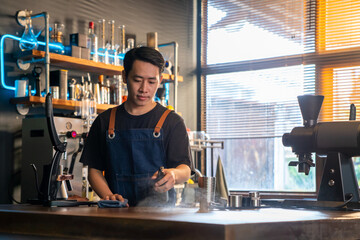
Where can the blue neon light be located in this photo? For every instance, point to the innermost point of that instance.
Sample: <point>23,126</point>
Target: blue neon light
<point>54,46</point>
<point>167,91</point>
<point>119,55</point>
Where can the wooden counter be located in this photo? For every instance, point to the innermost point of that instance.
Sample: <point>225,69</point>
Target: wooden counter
<point>176,223</point>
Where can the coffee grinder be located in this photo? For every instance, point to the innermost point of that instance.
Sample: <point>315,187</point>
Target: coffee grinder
<point>338,142</point>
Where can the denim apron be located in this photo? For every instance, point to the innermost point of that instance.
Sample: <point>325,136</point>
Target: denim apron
<point>134,156</point>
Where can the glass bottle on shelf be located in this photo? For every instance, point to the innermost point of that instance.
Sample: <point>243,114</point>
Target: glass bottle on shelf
<point>79,93</point>
<point>124,93</point>
<point>111,44</point>
<point>97,91</point>
<point>103,55</point>
<point>107,86</point>
<point>118,90</point>
<point>92,102</point>
<point>121,45</point>
<point>102,90</point>
<point>122,39</point>
<point>130,44</point>
<point>92,43</point>
<point>85,103</point>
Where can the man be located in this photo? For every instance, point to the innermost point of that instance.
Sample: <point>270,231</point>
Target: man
<point>131,142</point>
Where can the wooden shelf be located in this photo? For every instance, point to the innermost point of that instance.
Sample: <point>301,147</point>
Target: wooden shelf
<point>68,62</point>
<point>57,103</point>
<point>170,78</point>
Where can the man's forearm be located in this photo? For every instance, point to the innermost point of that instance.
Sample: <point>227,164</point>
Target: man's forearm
<point>182,173</point>
<point>98,183</point>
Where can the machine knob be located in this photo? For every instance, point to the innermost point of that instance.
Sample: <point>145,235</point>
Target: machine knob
<point>71,134</point>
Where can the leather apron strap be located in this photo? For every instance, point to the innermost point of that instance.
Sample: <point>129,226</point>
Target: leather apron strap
<point>160,123</point>
<point>156,130</point>
<point>112,123</point>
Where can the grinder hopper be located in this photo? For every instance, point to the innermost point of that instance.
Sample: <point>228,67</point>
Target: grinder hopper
<point>310,106</point>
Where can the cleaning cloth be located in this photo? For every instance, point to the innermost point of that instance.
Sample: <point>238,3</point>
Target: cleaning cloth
<point>112,203</point>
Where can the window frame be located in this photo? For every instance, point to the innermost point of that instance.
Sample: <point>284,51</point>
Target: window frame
<point>319,57</point>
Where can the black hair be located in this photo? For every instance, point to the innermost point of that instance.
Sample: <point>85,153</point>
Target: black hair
<point>145,54</point>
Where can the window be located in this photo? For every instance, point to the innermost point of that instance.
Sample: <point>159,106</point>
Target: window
<point>257,57</point>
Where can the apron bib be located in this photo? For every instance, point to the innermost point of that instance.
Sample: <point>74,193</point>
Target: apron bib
<point>134,156</point>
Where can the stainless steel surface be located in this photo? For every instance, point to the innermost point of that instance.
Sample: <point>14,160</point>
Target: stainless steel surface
<point>207,192</point>
<point>208,184</point>
<point>255,199</point>
<point>235,201</point>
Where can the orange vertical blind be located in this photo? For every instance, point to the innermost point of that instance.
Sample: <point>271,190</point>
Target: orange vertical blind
<point>338,62</point>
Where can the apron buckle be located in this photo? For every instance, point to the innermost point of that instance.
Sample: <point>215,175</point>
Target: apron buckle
<point>156,134</point>
<point>111,136</point>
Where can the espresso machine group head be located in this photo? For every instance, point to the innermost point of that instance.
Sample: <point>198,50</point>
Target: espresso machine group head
<point>337,141</point>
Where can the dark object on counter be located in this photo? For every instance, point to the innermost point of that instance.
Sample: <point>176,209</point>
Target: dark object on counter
<point>162,197</point>
<point>78,39</point>
<point>160,174</point>
<point>112,203</point>
<point>60,78</point>
<point>339,141</point>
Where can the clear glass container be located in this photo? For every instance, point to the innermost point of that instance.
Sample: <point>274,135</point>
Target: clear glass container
<point>92,43</point>
<point>103,54</point>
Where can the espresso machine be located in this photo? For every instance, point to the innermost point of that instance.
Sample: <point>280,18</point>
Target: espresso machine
<point>38,151</point>
<point>338,142</point>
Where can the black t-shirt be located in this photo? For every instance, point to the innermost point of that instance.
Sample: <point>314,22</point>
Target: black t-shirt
<point>176,141</point>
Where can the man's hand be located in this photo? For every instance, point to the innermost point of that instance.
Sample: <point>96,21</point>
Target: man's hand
<point>173,176</point>
<point>114,197</point>
<point>167,182</point>
<point>99,184</point>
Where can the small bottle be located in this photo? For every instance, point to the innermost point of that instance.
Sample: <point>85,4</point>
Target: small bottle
<point>85,103</point>
<point>97,90</point>
<point>79,95</point>
<point>92,43</point>
<point>118,90</point>
<point>85,183</point>
<point>84,188</point>
<point>130,44</point>
<point>124,93</point>
<point>103,93</point>
<point>92,101</point>
<point>108,85</point>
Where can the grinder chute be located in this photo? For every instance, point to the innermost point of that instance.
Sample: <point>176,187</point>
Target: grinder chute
<point>338,141</point>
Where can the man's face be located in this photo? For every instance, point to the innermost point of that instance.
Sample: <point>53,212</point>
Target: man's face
<point>143,81</point>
